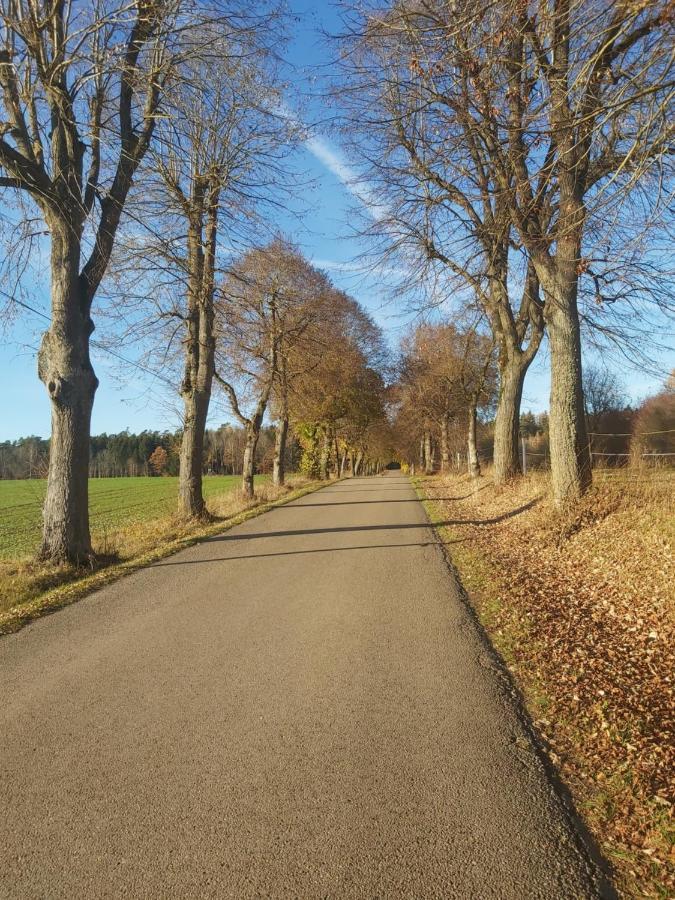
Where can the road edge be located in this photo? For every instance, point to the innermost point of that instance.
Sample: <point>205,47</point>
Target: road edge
<point>586,843</point>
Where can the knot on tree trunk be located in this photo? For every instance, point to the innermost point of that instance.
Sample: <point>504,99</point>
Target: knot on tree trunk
<point>56,387</point>
<point>47,370</point>
<point>67,380</point>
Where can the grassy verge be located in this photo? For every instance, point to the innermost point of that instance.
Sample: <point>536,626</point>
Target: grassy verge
<point>580,606</point>
<point>114,505</point>
<point>29,590</point>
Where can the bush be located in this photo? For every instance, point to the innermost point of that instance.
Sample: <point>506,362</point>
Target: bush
<point>654,429</point>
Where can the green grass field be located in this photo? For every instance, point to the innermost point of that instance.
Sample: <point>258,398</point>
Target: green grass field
<point>113,502</point>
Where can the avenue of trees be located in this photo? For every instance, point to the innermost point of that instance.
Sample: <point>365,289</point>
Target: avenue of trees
<point>145,139</point>
<point>617,429</point>
<point>521,154</point>
<point>296,347</point>
<point>447,377</point>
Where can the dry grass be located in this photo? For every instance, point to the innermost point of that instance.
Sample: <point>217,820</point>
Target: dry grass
<point>28,589</point>
<point>114,503</point>
<point>581,606</point>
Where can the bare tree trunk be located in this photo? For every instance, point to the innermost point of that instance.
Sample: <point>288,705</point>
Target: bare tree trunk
<point>507,420</point>
<point>190,496</point>
<point>65,369</point>
<point>279,464</point>
<point>445,449</point>
<point>472,449</point>
<point>428,453</point>
<point>518,340</point>
<point>248,468</point>
<point>251,426</point>
<point>325,453</point>
<point>343,464</point>
<point>570,455</point>
<point>357,464</point>
<point>200,349</point>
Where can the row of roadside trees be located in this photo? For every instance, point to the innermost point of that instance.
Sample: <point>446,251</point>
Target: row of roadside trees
<point>440,425</point>
<point>147,140</point>
<point>521,154</point>
<point>447,378</point>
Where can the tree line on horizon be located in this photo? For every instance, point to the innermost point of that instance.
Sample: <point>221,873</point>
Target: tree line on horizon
<point>128,454</point>
<point>619,430</point>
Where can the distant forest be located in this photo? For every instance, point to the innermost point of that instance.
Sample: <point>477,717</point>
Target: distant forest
<point>126,454</point>
<point>618,433</point>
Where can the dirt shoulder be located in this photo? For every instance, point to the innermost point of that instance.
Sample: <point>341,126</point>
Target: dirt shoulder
<point>581,607</point>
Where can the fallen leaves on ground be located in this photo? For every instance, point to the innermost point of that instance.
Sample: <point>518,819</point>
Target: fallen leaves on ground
<point>580,604</point>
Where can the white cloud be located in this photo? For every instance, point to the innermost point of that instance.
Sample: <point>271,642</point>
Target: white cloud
<point>332,265</point>
<point>333,160</point>
<point>335,163</point>
<point>363,268</point>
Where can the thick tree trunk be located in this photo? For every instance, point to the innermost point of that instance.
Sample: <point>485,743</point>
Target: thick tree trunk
<point>570,454</point>
<point>445,449</point>
<point>343,464</point>
<point>325,453</point>
<point>65,369</point>
<point>279,464</point>
<point>190,495</point>
<point>472,448</point>
<point>357,464</point>
<point>71,387</point>
<point>199,357</point>
<point>428,453</point>
<point>248,468</point>
<point>507,420</point>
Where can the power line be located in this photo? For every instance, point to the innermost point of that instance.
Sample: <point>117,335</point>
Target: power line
<point>628,434</point>
<point>25,305</point>
<point>97,344</point>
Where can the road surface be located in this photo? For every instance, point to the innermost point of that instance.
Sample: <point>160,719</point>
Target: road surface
<point>300,707</point>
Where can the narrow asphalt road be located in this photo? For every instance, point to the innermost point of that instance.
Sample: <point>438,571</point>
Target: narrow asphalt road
<point>301,707</point>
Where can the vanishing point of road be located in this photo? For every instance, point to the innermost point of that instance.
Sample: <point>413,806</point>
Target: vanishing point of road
<point>301,707</point>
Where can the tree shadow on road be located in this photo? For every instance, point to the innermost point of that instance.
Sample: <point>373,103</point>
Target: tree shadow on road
<point>219,559</point>
<point>378,490</point>
<point>299,506</point>
<point>345,529</point>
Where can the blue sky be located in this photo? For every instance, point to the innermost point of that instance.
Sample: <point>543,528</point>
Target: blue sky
<point>320,222</point>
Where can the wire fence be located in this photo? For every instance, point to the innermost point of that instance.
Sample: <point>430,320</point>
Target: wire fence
<point>635,462</point>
